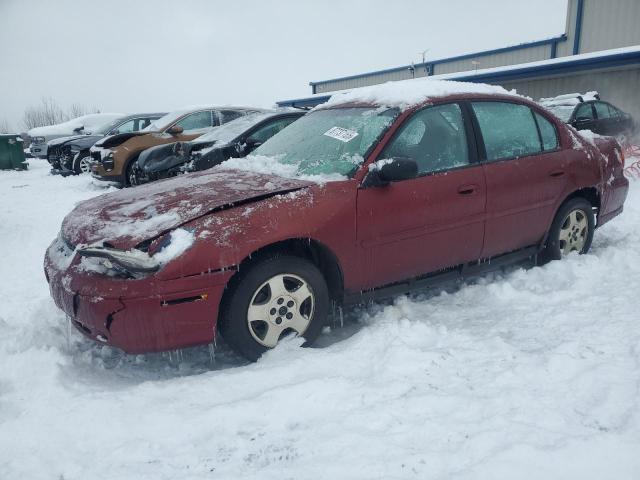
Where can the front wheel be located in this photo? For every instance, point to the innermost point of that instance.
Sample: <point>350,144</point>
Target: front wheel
<point>82,164</point>
<point>272,298</point>
<point>571,231</point>
<point>131,176</point>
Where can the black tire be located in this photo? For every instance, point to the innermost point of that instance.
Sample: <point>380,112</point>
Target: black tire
<point>76,163</point>
<point>250,282</point>
<point>555,245</point>
<point>130,178</point>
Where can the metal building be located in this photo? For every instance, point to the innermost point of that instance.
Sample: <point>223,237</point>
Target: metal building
<point>590,55</point>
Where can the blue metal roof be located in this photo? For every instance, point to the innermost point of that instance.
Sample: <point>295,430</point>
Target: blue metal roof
<point>558,66</point>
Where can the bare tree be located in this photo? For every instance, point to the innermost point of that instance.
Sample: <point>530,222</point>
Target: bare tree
<point>47,113</point>
<point>77,110</point>
<point>4,126</point>
<point>50,113</point>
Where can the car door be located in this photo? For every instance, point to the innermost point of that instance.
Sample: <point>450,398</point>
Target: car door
<point>524,169</point>
<point>584,118</point>
<point>412,227</point>
<point>607,124</point>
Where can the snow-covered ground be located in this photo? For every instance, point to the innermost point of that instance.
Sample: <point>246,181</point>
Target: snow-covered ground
<point>524,374</point>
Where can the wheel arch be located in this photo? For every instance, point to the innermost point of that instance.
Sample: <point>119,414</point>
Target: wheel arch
<point>308,248</point>
<point>591,194</point>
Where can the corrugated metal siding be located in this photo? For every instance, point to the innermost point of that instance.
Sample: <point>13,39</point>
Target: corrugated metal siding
<point>332,86</point>
<point>609,24</point>
<point>513,57</point>
<point>620,87</point>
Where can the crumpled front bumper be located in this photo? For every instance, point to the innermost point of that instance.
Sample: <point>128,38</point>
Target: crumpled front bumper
<point>137,316</point>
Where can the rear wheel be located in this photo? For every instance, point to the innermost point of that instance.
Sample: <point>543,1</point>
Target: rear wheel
<point>82,164</point>
<point>571,231</point>
<point>272,298</point>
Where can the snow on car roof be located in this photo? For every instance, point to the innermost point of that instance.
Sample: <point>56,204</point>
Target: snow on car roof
<point>569,99</point>
<point>406,93</point>
<point>88,121</point>
<point>172,116</point>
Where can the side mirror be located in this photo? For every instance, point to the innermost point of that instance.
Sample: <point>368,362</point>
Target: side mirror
<point>390,170</point>
<point>175,130</point>
<point>78,129</point>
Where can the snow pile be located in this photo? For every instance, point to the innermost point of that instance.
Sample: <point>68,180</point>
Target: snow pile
<point>406,93</point>
<point>180,240</point>
<point>527,374</point>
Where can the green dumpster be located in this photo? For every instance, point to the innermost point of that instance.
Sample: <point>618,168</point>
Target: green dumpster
<point>11,153</point>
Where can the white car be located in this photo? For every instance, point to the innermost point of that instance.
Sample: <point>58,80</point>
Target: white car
<point>39,136</point>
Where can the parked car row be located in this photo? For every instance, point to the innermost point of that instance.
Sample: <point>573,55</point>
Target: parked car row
<point>380,191</point>
<point>71,154</point>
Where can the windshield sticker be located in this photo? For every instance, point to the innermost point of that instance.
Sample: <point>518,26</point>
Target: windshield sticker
<point>341,134</point>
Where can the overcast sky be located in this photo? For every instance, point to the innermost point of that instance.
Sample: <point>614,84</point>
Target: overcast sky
<point>143,55</point>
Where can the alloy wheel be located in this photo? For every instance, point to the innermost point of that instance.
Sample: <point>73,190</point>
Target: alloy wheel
<point>85,165</point>
<point>284,303</point>
<point>573,232</point>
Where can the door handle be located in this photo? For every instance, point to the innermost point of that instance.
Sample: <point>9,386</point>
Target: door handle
<point>556,173</point>
<point>467,189</point>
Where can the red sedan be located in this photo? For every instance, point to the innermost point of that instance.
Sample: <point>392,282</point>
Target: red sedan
<point>381,191</point>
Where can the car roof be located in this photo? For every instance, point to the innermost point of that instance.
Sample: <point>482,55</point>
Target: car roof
<point>405,94</point>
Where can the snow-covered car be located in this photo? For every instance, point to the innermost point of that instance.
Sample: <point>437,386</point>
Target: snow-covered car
<point>85,124</point>
<point>380,191</point>
<point>237,138</point>
<point>588,112</point>
<point>71,155</point>
<point>113,158</point>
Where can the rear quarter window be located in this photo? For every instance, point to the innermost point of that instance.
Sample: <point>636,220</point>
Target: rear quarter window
<point>548,133</point>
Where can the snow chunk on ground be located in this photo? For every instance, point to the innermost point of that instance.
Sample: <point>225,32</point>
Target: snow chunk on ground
<point>406,93</point>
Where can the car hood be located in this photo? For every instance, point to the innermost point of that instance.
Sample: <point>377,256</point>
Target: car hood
<point>125,218</point>
<point>119,138</point>
<point>91,139</point>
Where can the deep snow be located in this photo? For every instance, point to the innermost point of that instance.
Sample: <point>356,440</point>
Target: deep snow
<point>523,374</point>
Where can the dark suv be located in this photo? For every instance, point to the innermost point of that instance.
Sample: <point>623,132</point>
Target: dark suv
<point>588,112</point>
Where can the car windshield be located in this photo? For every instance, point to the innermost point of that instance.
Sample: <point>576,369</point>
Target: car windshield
<point>329,141</point>
<point>107,127</point>
<point>563,112</point>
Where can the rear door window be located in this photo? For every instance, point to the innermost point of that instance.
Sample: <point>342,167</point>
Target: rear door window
<point>434,137</point>
<point>509,130</point>
<point>602,110</point>
<point>228,115</point>
<point>196,120</point>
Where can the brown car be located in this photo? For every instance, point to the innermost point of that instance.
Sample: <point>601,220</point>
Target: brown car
<point>113,157</point>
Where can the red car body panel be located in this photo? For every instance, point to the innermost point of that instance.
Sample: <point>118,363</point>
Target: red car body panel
<point>376,235</point>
